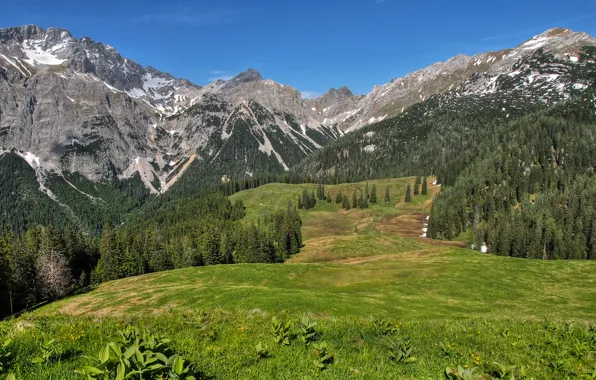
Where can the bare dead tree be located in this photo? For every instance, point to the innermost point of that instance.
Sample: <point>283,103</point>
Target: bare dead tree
<point>53,275</point>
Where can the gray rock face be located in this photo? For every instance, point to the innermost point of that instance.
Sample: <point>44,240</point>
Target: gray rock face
<point>69,104</point>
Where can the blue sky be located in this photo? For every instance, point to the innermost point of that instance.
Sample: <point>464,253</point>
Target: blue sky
<point>312,45</point>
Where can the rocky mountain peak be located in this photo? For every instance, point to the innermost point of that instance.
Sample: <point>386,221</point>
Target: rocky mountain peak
<point>334,96</point>
<point>250,75</point>
<point>557,40</point>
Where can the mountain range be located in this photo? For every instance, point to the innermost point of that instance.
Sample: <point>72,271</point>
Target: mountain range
<point>71,105</point>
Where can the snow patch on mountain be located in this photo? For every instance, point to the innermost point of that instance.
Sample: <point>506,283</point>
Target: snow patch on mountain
<point>32,159</point>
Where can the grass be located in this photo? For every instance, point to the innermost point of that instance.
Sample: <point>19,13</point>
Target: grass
<point>326,220</point>
<point>459,307</point>
<point>421,282</point>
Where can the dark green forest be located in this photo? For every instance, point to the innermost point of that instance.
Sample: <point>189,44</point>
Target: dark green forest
<point>531,192</point>
<point>46,263</point>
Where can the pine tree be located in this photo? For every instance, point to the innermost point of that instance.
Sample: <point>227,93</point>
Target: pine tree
<point>408,194</point>
<point>6,306</point>
<point>424,187</point>
<point>328,198</point>
<point>417,180</point>
<point>361,201</point>
<point>209,247</point>
<point>226,248</point>
<point>346,203</point>
<point>387,195</point>
<point>109,262</point>
<point>373,194</point>
<point>416,189</point>
<point>339,198</point>
<point>354,200</point>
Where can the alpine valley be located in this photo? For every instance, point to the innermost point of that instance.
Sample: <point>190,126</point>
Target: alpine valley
<point>441,226</point>
<point>88,122</point>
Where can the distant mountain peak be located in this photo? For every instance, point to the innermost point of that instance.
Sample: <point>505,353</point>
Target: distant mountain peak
<point>250,75</point>
<point>338,94</point>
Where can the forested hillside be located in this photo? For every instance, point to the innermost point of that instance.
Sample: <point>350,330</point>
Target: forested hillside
<point>62,200</point>
<point>441,135</point>
<point>531,192</point>
<point>207,229</point>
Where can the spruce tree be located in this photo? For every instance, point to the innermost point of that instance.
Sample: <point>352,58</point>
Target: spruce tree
<point>416,189</point>
<point>424,187</point>
<point>109,262</point>
<point>354,200</point>
<point>339,198</point>
<point>300,204</point>
<point>328,198</point>
<point>209,247</point>
<point>387,195</point>
<point>373,194</point>
<point>305,199</point>
<point>361,201</point>
<point>408,194</point>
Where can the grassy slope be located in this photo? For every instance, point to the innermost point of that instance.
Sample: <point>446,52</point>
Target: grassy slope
<point>490,307</point>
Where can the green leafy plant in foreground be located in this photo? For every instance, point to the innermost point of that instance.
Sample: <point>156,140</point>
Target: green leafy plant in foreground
<point>460,373</point>
<point>262,352</point>
<point>385,327</point>
<point>502,371</point>
<point>5,357</point>
<point>280,331</point>
<point>400,350</point>
<point>323,357</point>
<point>5,354</point>
<point>141,355</point>
<point>48,351</point>
<point>306,330</point>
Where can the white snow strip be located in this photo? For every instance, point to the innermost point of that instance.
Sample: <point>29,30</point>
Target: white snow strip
<point>12,63</point>
<point>114,89</point>
<point>534,43</point>
<point>23,66</point>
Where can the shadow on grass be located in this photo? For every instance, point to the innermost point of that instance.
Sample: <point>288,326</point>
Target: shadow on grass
<point>75,292</point>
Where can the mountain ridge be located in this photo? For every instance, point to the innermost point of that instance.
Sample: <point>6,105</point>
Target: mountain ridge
<point>104,115</point>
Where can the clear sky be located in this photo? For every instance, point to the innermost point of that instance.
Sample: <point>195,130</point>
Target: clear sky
<point>312,45</point>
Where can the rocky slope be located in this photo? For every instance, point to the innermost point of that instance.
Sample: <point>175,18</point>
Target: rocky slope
<point>70,104</point>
